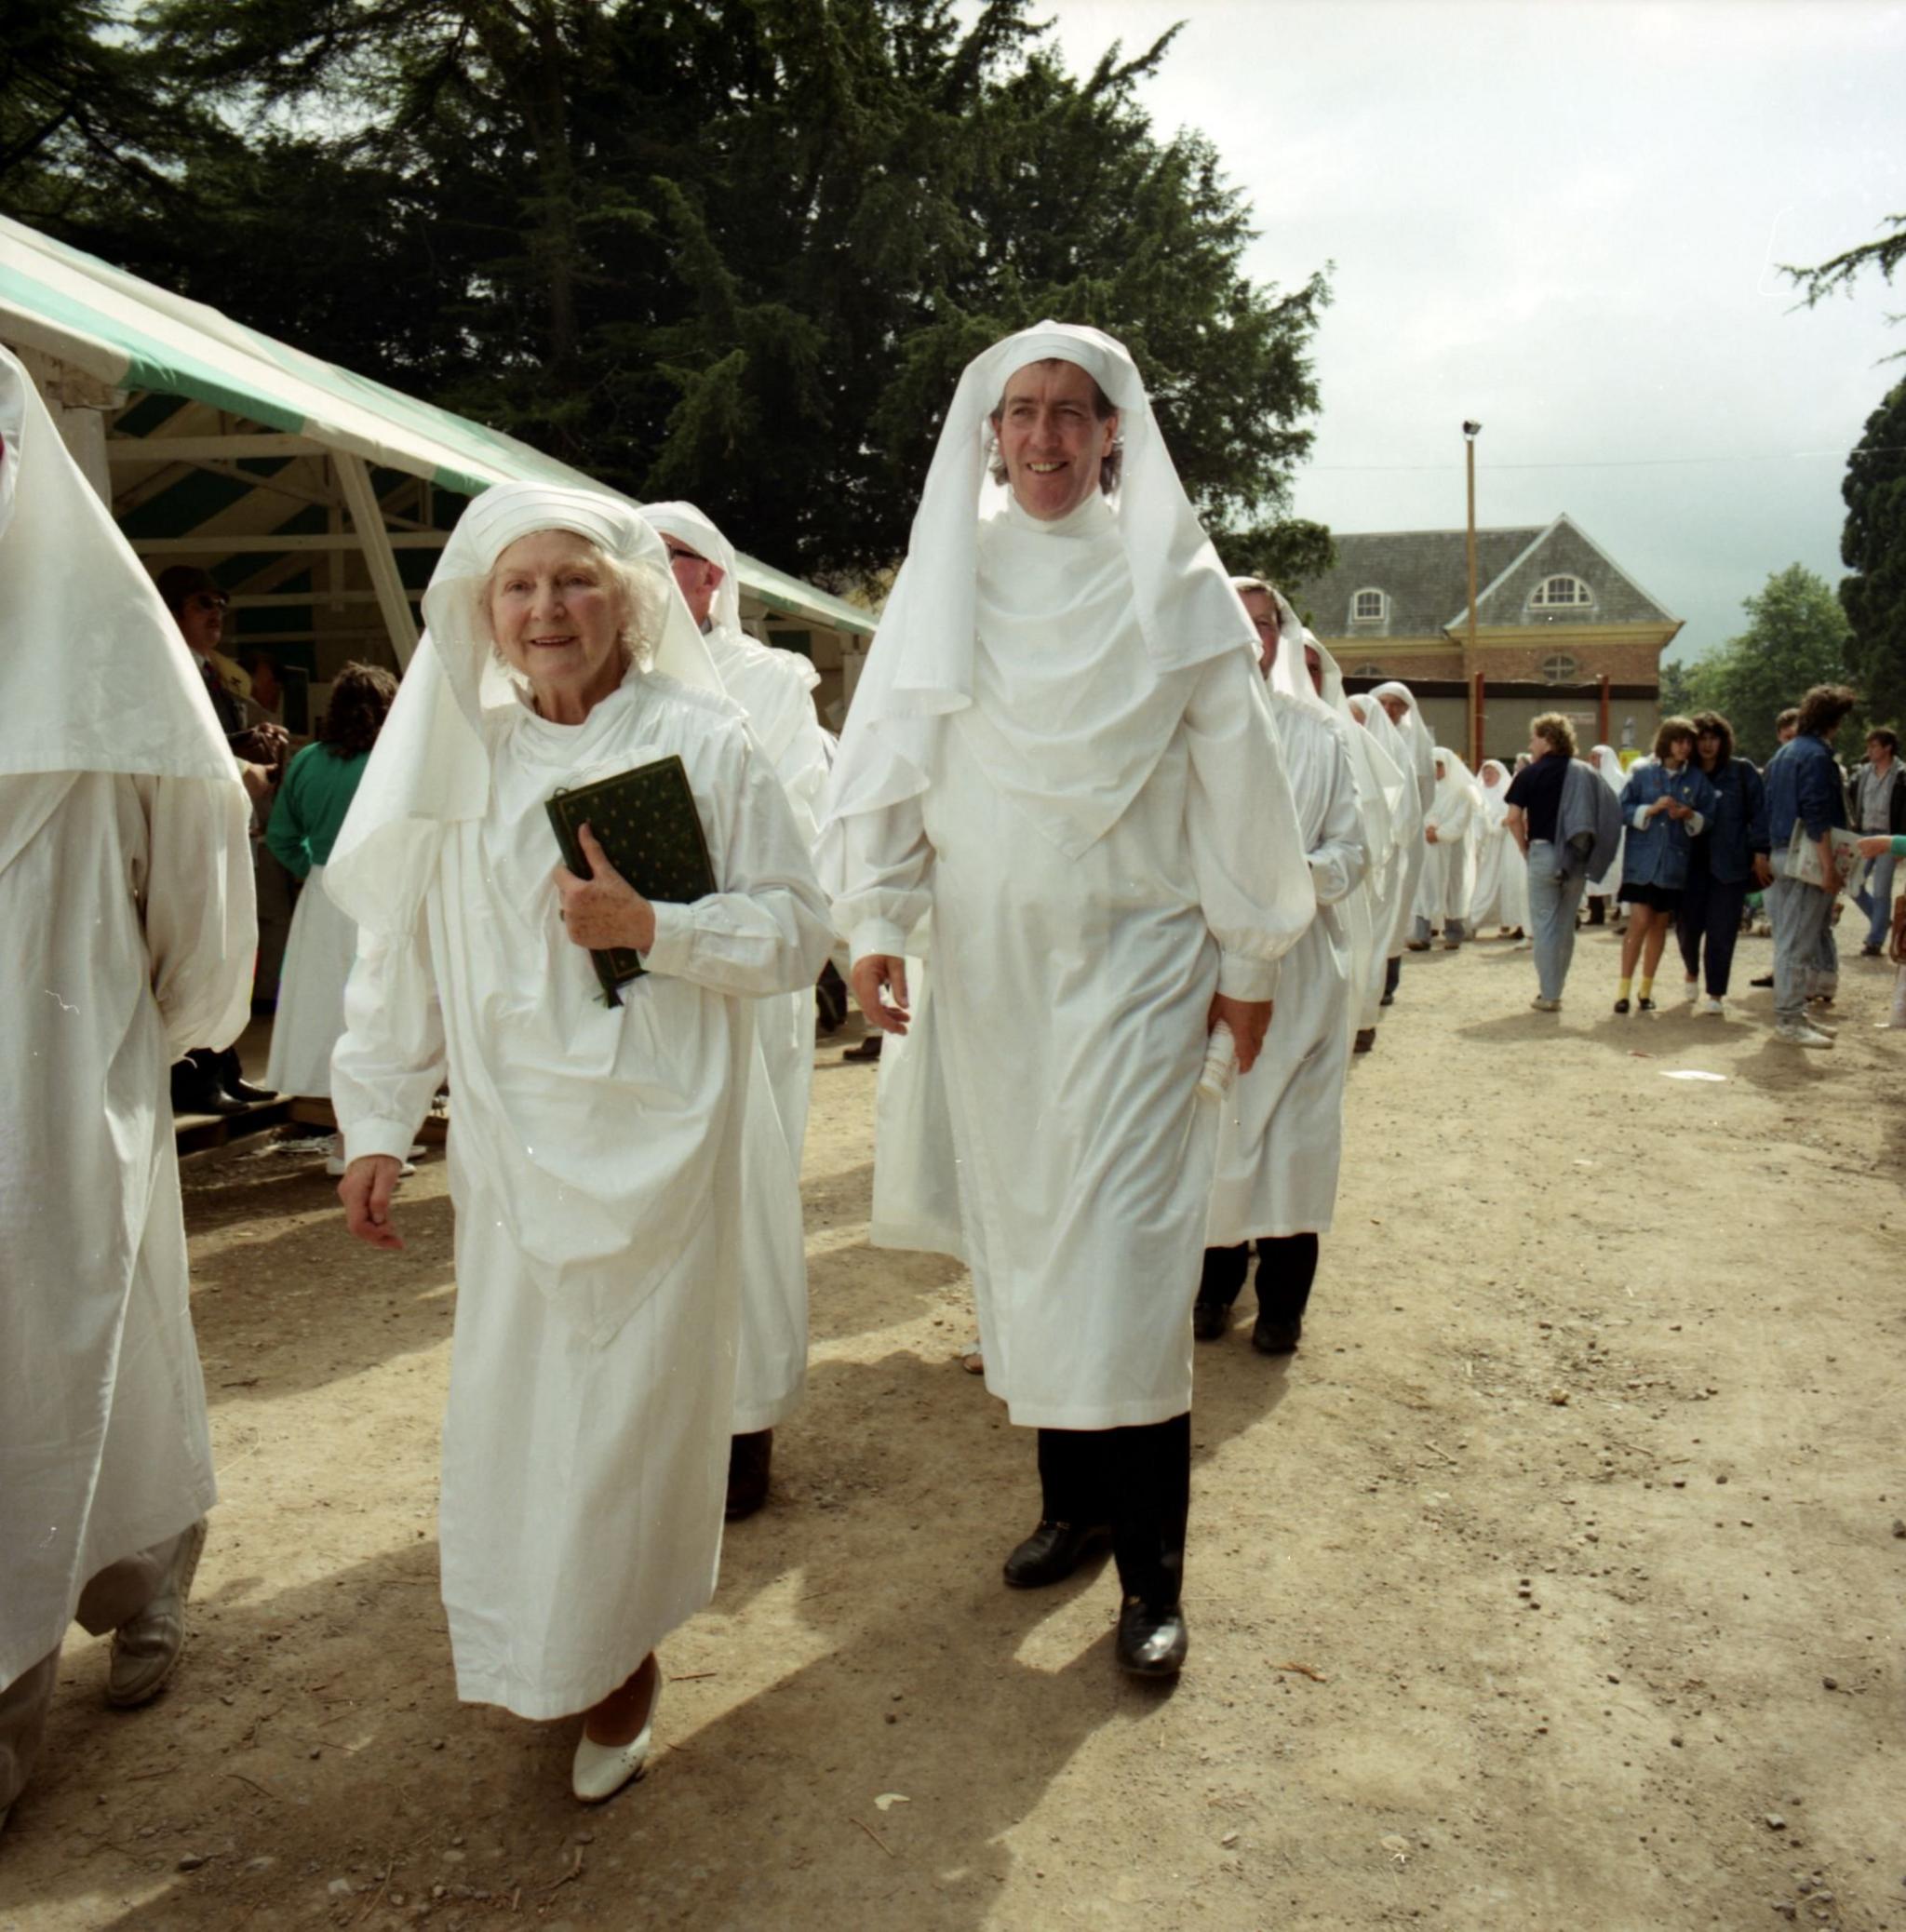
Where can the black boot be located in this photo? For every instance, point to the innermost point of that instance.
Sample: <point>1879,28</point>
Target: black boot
<point>748,1460</point>
<point>1152,1638</point>
<point>1392,978</point>
<point>196,1089</point>
<point>1222,1277</point>
<point>1286,1270</point>
<point>1053,1551</point>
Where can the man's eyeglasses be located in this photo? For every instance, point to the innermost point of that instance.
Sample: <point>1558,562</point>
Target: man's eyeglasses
<point>206,600</point>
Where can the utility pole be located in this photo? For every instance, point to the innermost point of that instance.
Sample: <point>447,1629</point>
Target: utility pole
<point>1471,432</point>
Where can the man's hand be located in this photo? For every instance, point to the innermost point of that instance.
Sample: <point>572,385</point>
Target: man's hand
<point>1430,833</point>
<point>1249,1021</point>
<point>869,977</point>
<point>1763,870</point>
<point>366,1192</point>
<point>257,780</point>
<point>1876,847</point>
<point>604,910</point>
<point>263,744</point>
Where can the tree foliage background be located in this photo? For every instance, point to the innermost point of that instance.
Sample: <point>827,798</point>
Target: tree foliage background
<point>1872,547</point>
<point>1797,636</point>
<point>730,249</point>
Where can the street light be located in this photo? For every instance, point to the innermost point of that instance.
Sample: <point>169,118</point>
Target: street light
<point>1471,432</point>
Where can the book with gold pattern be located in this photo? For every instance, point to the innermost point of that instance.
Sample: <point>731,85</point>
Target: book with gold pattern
<point>646,822</point>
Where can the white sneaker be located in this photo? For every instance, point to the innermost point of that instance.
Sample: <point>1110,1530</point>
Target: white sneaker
<point>1690,990</point>
<point>1801,1035</point>
<point>1714,1006</point>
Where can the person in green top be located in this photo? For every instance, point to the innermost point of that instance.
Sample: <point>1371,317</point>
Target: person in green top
<point>315,794</point>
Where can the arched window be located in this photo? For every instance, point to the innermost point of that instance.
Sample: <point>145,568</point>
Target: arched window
<point>1561,594</point>
<point>1369,607</point>
<point>1560,668</point>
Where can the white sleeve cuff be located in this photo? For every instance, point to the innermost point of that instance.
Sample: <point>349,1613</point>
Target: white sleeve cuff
<point>673,945</point>
<point>1241,977</point>
<point>876,935</point>
<point>390,1138</point>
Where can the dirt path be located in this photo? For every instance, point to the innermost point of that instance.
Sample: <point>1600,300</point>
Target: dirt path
<point>1554,1584</point>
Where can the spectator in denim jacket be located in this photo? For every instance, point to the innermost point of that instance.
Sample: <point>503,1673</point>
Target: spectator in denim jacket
<point>1803,789</point>
<point>1724,863</point>
<point>1666,804</point>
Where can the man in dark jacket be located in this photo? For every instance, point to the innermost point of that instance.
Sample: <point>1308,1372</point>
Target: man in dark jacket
<point>1803,789</point>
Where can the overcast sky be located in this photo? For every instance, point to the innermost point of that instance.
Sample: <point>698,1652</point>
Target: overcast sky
<point>1565,218</point>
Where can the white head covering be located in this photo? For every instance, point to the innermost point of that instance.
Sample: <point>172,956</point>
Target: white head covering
<point>431,765</point>
<point>924,663</point>
<point>94,674</point>
<point>1607,762</point>
<point>1457,782</point>
<point>1494,791</point>
<point>1375,721</point>
<point>688,525</point>
<point>1414,733</point>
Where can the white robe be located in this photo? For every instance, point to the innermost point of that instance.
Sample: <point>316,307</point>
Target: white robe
<point>310,994</point>
<point>1501,894</point>
<point>594,1164</point>
<point>126,933</point>
<point>916,1204</point>
<point>1281,1126</point>
<point>1443,893</point>
<point>773,687</point>
<point>1074,990</point>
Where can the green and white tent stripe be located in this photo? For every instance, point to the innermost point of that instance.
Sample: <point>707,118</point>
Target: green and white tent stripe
<point>132,334</point>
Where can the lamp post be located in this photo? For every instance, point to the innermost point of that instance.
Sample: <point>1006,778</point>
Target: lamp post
<point>1471,432</point>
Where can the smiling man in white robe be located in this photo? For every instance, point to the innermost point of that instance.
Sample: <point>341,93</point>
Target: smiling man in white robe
<point>775,689</point>
<point>126,933</point>
<point>1061,750</point>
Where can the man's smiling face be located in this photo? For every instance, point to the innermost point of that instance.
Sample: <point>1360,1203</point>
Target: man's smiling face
<point>1052,437</point>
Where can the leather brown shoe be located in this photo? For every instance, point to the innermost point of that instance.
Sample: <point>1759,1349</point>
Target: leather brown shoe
<point>1365,1039</point>
<point>1052,1552</point>
<point>1152,1643</point>
<point>748,1457</point>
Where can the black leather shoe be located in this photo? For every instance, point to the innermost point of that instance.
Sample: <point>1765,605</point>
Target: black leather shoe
<point>1766,980</point>
<point>246,1094</point>
<point>1276,1334</point>
<point>1620,1005</point>
<point>1365,1039</point>
<point>1052,1552</point>
<point>748,1457</point>
<point>203,1097</point>
<point>1151,1642</point>
<point>1210,1320</point>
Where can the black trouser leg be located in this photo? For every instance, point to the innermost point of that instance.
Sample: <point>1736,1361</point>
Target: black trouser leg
<point>1072,1477</point>
<point>1691,921</point>
<point>1725,903</point>
<point>1225,1269</point>
<point>1150,1471</point>
<point>1286,1270</point>
<point>1393,974</point>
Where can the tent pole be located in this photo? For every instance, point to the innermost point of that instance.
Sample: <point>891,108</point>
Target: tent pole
<point>368,519</point>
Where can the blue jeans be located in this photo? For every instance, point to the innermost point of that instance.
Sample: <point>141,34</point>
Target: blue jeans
<point>1801,934</point>
<point>1876,899</point>
<point>1553,905</point>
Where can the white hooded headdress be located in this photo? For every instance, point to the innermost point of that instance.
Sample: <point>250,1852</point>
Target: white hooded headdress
<point>928,662</point>
<point>94,674</point>
<point>431,765</point>
<point>1414,733</point>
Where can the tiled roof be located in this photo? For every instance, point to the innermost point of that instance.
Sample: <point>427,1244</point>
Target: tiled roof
<point>1423,575</point>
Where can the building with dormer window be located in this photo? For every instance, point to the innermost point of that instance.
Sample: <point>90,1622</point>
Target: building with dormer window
<point>1560,627</point>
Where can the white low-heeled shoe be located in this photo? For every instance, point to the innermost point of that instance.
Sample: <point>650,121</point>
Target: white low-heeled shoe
<point>601,1770</point>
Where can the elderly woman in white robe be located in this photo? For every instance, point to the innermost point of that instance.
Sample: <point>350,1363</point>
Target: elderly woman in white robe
<point>1280,1127</point>
<point>1449,869</point>
<point>1406,718</point>
<point>775,689</point>
<point>1501,893</point>
<point>126,934</point>
<point>595,1151</point>
<point>1061,748</point>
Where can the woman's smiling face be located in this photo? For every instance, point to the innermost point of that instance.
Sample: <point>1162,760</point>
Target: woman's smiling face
<point>557,612</point>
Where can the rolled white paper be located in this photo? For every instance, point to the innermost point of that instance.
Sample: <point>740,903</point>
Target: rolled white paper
<point>1220,1062</point>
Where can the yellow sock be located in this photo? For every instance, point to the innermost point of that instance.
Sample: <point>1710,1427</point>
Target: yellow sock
<point>1626,985</point>
<point>1647,986</point>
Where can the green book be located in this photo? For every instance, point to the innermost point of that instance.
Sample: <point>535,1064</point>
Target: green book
<point>647,824</point>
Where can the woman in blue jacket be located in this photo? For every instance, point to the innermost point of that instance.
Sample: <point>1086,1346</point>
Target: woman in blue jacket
<point>1726,862</point>
<point>1666,804</point>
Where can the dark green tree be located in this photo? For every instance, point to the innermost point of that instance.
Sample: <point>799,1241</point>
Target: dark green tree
<point>1872,547</point>
<point>735,249</point>
<point>1838,273</point>
<point>1797,636</point>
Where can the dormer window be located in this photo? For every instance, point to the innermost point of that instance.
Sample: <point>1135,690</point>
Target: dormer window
<point>1369,607</point>
<point>1561,594</point>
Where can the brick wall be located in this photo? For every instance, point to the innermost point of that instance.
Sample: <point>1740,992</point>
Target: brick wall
<point>1625,663</point>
